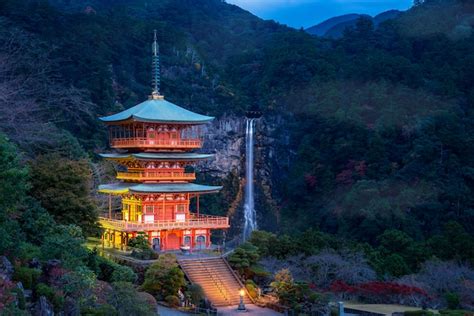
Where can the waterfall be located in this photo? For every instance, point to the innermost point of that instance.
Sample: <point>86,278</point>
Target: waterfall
<point>250,215</point>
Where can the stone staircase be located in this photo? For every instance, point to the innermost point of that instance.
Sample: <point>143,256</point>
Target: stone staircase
<point>220,284</point>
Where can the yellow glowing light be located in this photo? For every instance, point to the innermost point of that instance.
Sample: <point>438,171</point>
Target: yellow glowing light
<point>242,292</point>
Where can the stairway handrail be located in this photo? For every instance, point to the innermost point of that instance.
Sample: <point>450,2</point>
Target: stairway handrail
<point>214,280</point>
<point>238,279</point>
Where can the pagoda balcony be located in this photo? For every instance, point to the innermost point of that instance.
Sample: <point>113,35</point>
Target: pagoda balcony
<point>156,176</point>
<point>195,221</point>
<point>150,143</point>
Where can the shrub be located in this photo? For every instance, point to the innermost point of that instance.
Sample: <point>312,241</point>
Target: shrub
<point>27,252</point>
<point>26,276</point>
<point>127,301</point>
<point>106,269</point>
<point>452,300</point>
<point>252,290</point>
<point>172,300</point>
<point>123,273</point>
<point>418,313</point>
<point>196,293</point>
<point>101,310</point>
<point>164,277</point>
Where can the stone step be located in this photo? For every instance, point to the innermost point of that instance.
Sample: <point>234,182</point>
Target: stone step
<point>218,282</point>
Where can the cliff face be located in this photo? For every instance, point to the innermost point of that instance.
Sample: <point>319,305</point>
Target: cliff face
<point>225,138</point>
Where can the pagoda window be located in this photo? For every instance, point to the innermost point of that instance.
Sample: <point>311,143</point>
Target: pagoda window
<point>181,217</point>
<point>187,240</point>
<point>149,209</point>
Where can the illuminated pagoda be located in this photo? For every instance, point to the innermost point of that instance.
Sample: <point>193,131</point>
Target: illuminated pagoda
<point>154,142</point>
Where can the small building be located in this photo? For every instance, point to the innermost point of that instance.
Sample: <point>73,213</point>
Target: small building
<point>154,144</point>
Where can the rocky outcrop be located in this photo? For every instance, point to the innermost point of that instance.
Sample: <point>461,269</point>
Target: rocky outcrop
<point>43,307</point>
<point>225,138</point>
<point>6,268</point>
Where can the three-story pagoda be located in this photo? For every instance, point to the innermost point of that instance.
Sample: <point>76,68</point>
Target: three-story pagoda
<point>155,141</point>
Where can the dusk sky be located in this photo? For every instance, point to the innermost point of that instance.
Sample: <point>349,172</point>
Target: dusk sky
<point>305,13</point>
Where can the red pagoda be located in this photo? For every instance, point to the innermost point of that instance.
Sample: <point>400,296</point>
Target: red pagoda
<point>154,142</point>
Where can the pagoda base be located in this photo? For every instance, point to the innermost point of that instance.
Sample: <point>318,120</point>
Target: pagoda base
<point>163,240</point>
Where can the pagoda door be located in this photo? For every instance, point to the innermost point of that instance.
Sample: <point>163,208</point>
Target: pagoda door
<point>172,242</point>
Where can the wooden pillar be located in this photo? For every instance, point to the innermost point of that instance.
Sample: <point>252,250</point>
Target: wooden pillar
<point>165,240</point>
<point>113,239</point>
<point>110,206</point>
<point>197,204</point>
<point>208,238</point>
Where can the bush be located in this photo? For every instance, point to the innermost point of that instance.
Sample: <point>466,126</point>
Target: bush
<point>196,293</point>
<point>26,276</point>
<point>164,277</point>
<point>418,313</point>
<point>106,270</point>
<point>452,300</point>
<point>252,290</point>
<point>101,310</point>
<point>172,300</point>
<point>144,254</point>
<point>123,273</point>
<point>27,252</point>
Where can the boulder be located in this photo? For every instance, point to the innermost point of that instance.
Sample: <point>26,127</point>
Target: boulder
<point>43,308</point>
<point>6,268</point>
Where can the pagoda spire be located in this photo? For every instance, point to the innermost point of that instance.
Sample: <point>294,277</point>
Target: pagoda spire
<point>155,94</point>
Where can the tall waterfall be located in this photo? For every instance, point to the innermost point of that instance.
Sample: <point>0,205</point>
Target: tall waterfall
<point>250,214</point>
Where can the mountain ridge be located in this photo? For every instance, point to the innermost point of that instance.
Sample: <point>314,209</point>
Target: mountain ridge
<point>335,26</point>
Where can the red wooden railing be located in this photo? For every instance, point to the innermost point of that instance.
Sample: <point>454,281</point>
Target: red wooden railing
<point>140,142</point>
<point>156,176</point>
<point>201,221</point>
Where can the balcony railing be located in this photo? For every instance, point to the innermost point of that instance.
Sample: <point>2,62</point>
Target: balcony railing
<point>139,142</point>
<point>156,176</point>
<point>201,221</point>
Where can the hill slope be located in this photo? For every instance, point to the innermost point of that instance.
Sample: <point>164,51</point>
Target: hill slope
<point>334,27</point>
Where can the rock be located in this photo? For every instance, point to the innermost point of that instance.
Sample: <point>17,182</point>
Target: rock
<point>35,264</point>
<point>6,268</point>
<point>43,308</point>
<point>71,307</point>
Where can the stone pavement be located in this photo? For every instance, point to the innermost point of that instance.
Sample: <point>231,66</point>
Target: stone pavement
<point>251,311</point>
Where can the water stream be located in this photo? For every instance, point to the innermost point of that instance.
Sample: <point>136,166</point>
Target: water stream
<point>250,215</point>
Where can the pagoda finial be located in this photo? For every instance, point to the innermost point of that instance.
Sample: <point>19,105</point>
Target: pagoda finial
<point>155,94</point>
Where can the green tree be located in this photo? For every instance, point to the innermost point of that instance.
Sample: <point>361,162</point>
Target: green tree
<point>164,277</point>
<point>244,257</point>
<point>127,301</point>
<point>63,187</point>
<point>65,244</point>
<point>13,190</point>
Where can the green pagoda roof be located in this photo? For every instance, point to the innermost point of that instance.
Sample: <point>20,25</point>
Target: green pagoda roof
<point>160,111</point>
<point>123,187</point>
<point>158,156</point>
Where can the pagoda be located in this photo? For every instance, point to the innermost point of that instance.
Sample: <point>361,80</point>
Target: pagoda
<point>154,144</point>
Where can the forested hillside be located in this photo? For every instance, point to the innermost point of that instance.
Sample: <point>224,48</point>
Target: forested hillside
<point>374,155</point>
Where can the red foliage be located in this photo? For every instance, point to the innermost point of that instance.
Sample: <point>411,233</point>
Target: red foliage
<point>6,296</point>
<point>361,168</point>
<point>376,288</point>
<point>310,180</point>
<point>344,177</point>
